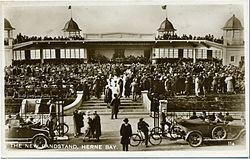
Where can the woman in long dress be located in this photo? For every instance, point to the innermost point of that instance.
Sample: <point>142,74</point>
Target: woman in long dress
<point>229,82</point>
<point>86,129</point>
<point>196,86</point>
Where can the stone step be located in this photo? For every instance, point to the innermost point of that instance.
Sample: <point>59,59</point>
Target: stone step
<point>105,107</point>
<point>104,104</point>
<point>121,113</point>
<point>109,110</point>
<point>102,100</point>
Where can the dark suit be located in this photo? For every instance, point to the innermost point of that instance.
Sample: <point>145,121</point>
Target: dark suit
<point>143,126</point>
<point>115,103</point>
<point>126,133</point>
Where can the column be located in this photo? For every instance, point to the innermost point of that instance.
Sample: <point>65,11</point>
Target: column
<point>195,51</point>
<point>41,56</point>
<point>224,56</point>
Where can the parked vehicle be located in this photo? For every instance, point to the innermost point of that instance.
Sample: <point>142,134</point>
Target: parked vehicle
<point>198,131</point>
<point>27,133</point>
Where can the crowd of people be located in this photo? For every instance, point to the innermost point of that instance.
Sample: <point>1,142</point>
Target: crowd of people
<point>208,37</point>
<point>168,79</point>
<point>86,126</point>
<point>167,36</point>
<point>24,38</point>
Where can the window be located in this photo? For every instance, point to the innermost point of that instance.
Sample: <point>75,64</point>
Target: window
<point>190,53</point>
<point>82,53</point>
<point>33,54</point>
<point>156,53</point>
<point>38,55</point>
<point>161,54</point>
<point>185,53</point>
<point>17,55</point>
<point>199,54</point>
<point>46,53</point>
<point>171,53</point>
<point>204,54</point>
<point>72,53</point>
<point>67,53</point>
<point>175,53</point>
<point>62,53</point>
<point>53,54</point>
<point>232,59</point>
<point>22,55</point>
<point>77,53</point>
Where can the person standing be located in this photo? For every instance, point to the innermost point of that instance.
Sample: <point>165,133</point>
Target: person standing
<point>107,96</point>
<point>51,125</point>
<point>96,126</point>
<point>76,119</point>
<point>143,126</point>
<point>188,84</point>
<point>115,104</point>
<point>196,86</point>
<point>126,133</point>
<point>229,82</point>
<point>97,87</point>
<point>120,83</point>
<point>134,87</point>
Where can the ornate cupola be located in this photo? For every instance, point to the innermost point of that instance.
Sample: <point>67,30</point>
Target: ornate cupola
<point>233,32</point>
<point>71,28</point>
<point>166,27</point>
<point>8,33</point>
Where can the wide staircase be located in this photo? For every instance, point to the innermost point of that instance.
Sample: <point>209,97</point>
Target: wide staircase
<point>127,107</point>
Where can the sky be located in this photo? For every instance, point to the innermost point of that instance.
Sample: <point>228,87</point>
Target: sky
<point>197,20</point>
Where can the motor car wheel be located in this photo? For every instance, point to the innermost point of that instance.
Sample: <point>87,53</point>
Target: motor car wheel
<point>219,132</point>
<point>40,142</point>
<point>135,140</point>
<point>195,139</point>
<point>155,139</point>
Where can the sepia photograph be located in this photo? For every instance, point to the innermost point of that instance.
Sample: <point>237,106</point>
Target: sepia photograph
<point>107,78</point>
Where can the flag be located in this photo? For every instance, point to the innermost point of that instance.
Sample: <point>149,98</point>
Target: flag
<point>164,7</point>
<point>69,7</point>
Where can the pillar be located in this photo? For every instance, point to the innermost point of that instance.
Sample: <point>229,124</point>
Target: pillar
<point>41,56</point>
<point>195,51</point>
<point>224,56</point>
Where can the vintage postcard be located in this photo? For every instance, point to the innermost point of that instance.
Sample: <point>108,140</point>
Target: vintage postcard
<point>127,78</point>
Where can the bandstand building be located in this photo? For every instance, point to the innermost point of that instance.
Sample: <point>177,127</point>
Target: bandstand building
<point>148,45</point>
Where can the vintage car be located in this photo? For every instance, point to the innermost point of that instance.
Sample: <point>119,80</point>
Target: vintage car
<point>196,131</point>
<point>18,132</point>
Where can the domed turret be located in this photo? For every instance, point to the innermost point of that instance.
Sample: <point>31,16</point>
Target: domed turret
<point>72,28</point>
<point>7,25</point>
<point>233,32</point>
<point>166,27</point>
<point>8,33</point>
<point>233,24</point>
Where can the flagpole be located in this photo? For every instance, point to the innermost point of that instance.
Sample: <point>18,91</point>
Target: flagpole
<point>71,12</point>
<point>166,12</point>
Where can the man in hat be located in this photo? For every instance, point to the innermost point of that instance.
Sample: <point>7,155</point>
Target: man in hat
<point>143,126</point>
<point>115,104</point>
<point>188,84</point>
<point>126,133</point>
<point>96,126</point>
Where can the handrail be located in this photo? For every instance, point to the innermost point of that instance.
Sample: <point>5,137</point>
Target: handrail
<point>77,102</point>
